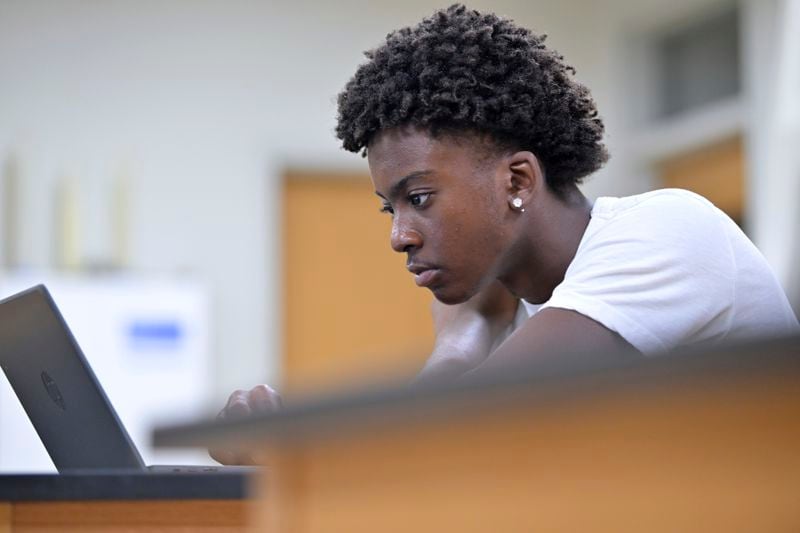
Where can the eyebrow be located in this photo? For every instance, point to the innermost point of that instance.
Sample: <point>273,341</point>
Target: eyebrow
<point>398,188</point>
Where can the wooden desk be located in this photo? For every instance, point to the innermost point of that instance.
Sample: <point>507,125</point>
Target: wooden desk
<point>690,442</point>
<point>124,502</point>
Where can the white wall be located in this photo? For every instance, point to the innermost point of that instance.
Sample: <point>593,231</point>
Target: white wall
<point>204,104</point>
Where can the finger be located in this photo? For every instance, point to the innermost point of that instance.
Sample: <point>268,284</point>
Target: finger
<point>245,458</point>
<point>235,397</point>
<point>232,457</point>
<point>238,405</point>
<point>265,399</point>
<point>225,457</point>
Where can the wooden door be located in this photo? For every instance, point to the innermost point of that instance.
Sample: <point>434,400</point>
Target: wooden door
<point>716,171</point>
<point>351,309</point>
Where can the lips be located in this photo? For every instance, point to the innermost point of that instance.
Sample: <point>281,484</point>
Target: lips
<point>424,275</point>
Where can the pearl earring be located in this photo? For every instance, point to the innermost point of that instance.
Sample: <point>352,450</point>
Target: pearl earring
<point>516,203</point>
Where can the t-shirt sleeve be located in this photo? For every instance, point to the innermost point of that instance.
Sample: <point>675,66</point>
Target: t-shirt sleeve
<point>659,274</point>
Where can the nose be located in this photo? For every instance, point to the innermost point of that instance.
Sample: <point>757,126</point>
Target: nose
<point>403,237</point>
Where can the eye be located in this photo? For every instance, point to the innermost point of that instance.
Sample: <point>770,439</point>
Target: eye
<point>419,199</point>
<point>386,208</point>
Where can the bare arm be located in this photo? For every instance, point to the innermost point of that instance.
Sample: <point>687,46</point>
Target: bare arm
<point>465,333</point>
<point>553,335</point>
<point>468,331</point>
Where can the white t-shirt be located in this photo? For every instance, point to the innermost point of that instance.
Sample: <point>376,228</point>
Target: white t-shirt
<point>667,268</point>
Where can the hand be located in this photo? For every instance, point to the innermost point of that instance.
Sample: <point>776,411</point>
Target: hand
<point>259,399</point>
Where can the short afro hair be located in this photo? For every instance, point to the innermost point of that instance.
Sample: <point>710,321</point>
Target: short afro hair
<point>465,71</point>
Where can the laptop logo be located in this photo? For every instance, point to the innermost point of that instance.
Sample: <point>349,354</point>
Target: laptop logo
<point>52,391</point>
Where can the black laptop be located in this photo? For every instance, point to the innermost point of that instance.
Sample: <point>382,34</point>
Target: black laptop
<point>60,393</point>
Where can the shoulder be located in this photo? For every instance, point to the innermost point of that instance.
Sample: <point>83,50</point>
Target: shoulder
<point>663,206</point>
<point>643,262</point>
<point>668,223</point>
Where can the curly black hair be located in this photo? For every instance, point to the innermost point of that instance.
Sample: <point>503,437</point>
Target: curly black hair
<point>465,71</point>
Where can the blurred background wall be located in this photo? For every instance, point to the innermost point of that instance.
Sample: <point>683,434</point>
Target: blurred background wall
<point>194,140</point>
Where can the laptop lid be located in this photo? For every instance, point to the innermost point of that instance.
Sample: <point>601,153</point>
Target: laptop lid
<point>57,388</point>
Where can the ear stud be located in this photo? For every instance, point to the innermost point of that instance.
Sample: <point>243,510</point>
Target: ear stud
<point>516,203</point>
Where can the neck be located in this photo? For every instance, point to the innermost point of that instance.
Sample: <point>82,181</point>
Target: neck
<point>548,241</point>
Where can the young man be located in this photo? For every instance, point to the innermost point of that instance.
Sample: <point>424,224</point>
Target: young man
<point>477,138</point>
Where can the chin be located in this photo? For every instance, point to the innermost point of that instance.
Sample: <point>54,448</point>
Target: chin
<point>450,297</point>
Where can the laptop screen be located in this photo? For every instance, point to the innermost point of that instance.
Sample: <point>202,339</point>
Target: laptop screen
<point>57,388</point>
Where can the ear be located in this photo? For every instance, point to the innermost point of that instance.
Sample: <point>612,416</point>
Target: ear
<point>525,178</point>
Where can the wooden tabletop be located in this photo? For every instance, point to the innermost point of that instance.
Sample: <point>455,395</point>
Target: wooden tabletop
<point>573,378</point>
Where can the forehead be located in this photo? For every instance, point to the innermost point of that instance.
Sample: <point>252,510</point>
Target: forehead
<point>396,153</point>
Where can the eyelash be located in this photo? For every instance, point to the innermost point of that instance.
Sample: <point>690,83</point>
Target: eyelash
<point>411,199</point>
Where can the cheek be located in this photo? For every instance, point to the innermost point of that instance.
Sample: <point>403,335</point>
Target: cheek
<point>473,236</point>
